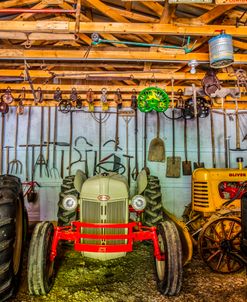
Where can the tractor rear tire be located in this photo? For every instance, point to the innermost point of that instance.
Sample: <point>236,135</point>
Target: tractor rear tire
<point>153,213</point>
<point>169,272</point>
<point>40,270</point>
<point>12,234</point>
<point>67,188</point>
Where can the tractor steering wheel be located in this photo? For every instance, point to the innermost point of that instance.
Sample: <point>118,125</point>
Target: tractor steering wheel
<point>101,166</point>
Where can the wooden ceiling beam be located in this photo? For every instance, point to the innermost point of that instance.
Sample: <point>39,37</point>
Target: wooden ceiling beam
<point>121,28</point>
<point>119,55</point>
<point>17,3</point>
<point>148,75</point>
<point>154,6</point>
<point>26,16</point>
<point>95,88</point>
<point>214,13</point>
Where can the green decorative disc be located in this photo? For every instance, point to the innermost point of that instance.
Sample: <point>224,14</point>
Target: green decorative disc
<point>153,98</point>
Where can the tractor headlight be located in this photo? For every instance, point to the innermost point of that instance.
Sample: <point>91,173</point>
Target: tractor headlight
<point>70,203</point>
<point>138,202</point>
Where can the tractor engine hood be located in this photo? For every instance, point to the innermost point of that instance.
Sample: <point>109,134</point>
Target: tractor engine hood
<point>107,186</point>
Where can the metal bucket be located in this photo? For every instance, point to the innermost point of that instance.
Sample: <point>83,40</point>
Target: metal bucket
<point>220,51</point>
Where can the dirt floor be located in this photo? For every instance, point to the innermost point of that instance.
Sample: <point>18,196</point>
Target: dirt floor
<point>131,279</point>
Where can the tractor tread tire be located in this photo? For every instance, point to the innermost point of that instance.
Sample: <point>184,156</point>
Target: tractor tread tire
<point>153,214</point>
<point>65,217</point>
<point>11,229</point>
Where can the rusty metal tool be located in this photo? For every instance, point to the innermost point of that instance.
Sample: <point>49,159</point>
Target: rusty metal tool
<point>186,165</point>
<point>83,138</point>
<point>1,144</point>
<point>116,130</point>
<point>41,160</point>
<point>70,140</point>
<point>7,158</point>
<point>27,140</point>
<point>238,147</point>
<point>15,164</point>
<point>212,138</point>
<point>135,171</point>
<point>62,164</point>
<point>226,147</point>
<point>54,171</point>
<point>198,164</point>
<point>128,157</point>
<point>48,136</point>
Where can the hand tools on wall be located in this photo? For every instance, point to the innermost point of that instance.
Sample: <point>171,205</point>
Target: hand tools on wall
<point>156,150</point>
<point>62,164</point>
<point>41,160</point>
<point>238,148</point>
<point>198,164</point>
<point>15,164</point>
<point>95,163</point>
<point>128,157</point>
<point>54,171</point>
<point>135,171</point>
<point>145,142</point>
<point>7,158</point>
<point>212,138</point>
<point>116,130</point>
<point>226,146</point>
<point>48,135</point>
<point>27,140</point>
<point>2,143</point>
<point>173,162</point>
<point>186,165</point>
<point>70,140</point>
<point>83,138</point>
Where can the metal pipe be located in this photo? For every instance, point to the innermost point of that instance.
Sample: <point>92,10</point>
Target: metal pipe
<point>36,11</point>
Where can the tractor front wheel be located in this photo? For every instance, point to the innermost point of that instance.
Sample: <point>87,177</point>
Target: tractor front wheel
<point>40,269</point>
<point>169,271</point>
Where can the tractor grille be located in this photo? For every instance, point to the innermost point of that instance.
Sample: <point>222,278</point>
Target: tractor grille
<point>104,212</point>
<point>200,194</point>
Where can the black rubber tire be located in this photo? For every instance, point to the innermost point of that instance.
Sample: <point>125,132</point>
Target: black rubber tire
<point>40,270</point>
<point>153,213</point>
<point>12,234</point>
<point>67,188</point>
<point>169,273</point>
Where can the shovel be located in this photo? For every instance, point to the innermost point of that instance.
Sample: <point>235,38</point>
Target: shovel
<point>198,164</point>
<point>186,165</point>
<point>156,150</point>
<point>173,162</point>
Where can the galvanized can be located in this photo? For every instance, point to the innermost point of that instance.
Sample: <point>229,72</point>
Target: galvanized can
<point>221,51</point>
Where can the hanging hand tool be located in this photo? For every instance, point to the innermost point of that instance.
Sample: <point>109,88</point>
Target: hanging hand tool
<point>1,144</point>
<point>7,158</point>
<point>30,83</point>
<point>128,157</point>
<point>95,163</point>
<point>156,150</point>
<point>84,138</point>
<point>54,171</point>
<point>103,98</point>
<point>212,138</point>
<point>48,136</point>
<point>15,163</point>
<point>145,142</point>
<point>76,161</point>
<point>116,131</point>
<point>187,170</point>
<point>41,160</point>
<point>27,140</point>
<point>238,148</point>
<point>90,100</point>
<point>135,171</point>
<point>112,141</point>
<point>62,164</point>
<point>198,164</point>
<point>173,162</point>
<point>226,146</point>
<point>86,162</point>
<point>70,140</point>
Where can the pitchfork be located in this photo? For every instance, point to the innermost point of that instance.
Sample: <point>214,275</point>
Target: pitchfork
<point>15,163</point>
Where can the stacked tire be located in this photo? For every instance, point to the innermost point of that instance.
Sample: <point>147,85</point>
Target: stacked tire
<point>67,188</point>
<point>154,210</point>
<point>12,234</point>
